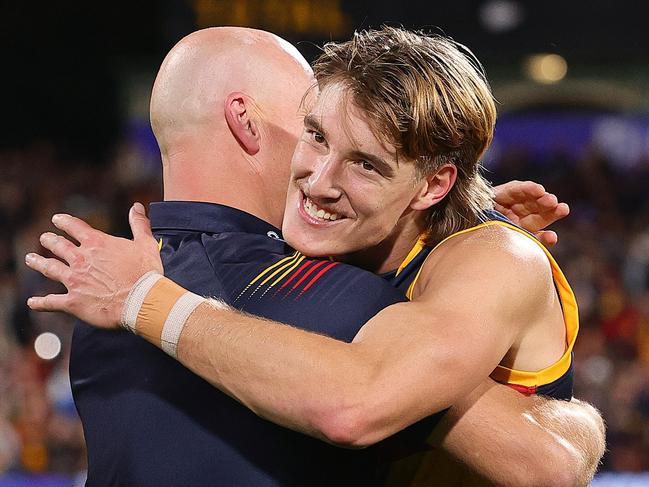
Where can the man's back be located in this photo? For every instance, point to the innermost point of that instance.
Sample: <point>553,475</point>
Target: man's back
<point>150,421</point>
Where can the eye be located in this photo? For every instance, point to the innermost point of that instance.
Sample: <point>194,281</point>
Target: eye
<point>368,166</point>
<point>317,137</point>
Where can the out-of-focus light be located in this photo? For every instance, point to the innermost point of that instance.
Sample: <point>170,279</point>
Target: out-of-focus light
<point>499,16</point>
<point>597,369</point>
<point>47,346</point>
<point>546,68</point>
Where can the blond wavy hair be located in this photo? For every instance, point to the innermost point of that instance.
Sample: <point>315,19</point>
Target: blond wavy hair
<point>429,97</point>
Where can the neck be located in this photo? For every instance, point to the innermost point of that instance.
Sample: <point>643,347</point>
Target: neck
<point>388,255</point>
<point>223,182</point>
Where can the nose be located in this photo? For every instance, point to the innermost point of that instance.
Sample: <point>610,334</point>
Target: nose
<point>324,180</point>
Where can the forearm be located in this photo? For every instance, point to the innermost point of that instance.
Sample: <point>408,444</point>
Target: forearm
<point>353,394</point>
<point>578,426</point>
<point>297,379</point>
<point>513,440</point>
<point>305,381</point>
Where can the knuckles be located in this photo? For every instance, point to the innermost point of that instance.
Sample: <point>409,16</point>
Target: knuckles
<point>79,262</point>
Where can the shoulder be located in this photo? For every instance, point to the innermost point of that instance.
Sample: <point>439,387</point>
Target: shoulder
<point>493,260</point>
<point>494,247</point>
<point>321,296</point>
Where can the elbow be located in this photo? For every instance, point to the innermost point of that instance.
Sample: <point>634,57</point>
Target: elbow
<point>348,428</point>
<point>576,459</point>
<point>561,467</point>
<point>573,469</point>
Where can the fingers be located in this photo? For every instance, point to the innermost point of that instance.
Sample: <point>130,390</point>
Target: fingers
<point>59,246</point>
<point>547,201</point>
<point>73,226</point>
<point>547,207</point>
<point>517,192</point>
<point>553,214</point>
<point>140,224</point>
<point>51,268</point>
<point>51,302</point>
<point>531,189</point>
<point>547,237</point>
<point>563,210</point>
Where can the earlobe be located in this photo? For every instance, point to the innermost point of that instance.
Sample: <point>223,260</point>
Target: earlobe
<point>242,125</point>
<point>435,187</point>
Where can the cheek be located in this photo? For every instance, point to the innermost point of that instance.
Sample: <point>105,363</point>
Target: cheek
<point>368,200</point>
<point>383,211</point>
<point>301,160</point>
<point>290,226</point>
<point>291,201</point>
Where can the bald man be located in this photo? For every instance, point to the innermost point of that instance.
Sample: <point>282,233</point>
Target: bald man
<point>224,111</point>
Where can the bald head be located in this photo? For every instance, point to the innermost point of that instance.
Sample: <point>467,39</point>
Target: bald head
<point>200,72</point>
<point>225,112</point>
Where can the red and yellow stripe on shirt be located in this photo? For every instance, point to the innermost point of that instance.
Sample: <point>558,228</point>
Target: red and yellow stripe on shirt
<point>290,276</point>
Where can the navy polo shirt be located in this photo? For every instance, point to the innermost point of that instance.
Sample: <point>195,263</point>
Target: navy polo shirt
<point>149,421</point>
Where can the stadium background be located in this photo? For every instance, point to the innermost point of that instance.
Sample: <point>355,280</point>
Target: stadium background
<point>571,79</point>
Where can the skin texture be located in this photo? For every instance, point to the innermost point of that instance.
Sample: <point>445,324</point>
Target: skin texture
<point>241,354</point>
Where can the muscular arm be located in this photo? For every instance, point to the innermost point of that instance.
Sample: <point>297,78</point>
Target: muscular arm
<point>499,436</point>
<point>315,381</point>
<point>401,367</point>
<point>505,438</point>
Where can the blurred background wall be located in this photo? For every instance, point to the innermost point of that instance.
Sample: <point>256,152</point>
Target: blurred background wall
<point>571,79</point>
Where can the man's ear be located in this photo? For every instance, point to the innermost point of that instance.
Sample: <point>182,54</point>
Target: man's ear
<point>241,123</point>
<point>435,187</point>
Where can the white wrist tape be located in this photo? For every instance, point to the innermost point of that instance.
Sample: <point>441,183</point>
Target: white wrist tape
<point>176,320</point>
<point>136,297</point>
<point>157,309</point>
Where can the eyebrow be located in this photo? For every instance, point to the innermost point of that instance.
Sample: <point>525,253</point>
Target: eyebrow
<point>386,169</point>
<point>312,122</point>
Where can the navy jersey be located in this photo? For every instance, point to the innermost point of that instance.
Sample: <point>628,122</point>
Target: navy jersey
<point>555,381</point>
<point>149,421</point>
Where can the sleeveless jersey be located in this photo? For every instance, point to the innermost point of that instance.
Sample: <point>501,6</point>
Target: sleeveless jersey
<point>554,381</point>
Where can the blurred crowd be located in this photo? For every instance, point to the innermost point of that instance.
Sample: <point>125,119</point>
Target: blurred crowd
<point>604,251</point>
<point>603,248</point>
<point>39,427</point>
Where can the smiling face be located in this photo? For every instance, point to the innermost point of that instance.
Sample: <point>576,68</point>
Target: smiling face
<point>348,191</point>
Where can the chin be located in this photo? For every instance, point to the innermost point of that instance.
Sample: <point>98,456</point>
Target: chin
<point>310,249</point>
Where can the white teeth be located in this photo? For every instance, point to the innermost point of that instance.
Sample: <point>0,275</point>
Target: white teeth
<point>313,210</point>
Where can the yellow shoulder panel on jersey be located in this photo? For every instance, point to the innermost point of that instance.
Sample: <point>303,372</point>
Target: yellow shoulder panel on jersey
<point>419,246</point>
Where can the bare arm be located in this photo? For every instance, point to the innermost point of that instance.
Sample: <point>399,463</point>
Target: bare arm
<point>401,367</point>
<point>554,443</point>
<point>221,353</point>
